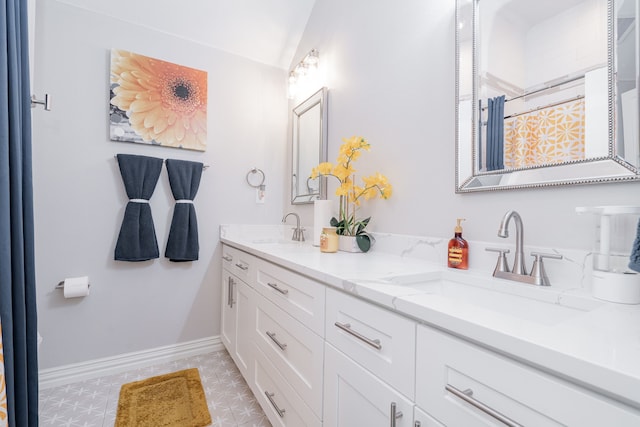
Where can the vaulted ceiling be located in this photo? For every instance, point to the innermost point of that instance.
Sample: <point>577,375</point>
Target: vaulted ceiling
<point>266,31</point>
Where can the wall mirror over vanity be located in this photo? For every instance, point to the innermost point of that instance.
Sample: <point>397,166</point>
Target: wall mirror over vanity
<point>309,148</point>
<point>547,93</point>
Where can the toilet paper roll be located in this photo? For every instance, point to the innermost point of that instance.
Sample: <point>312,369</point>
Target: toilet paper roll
<point>75,287</point>
<point>322,213</point>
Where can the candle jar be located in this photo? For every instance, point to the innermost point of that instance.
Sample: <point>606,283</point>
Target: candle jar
<point>329,240</point>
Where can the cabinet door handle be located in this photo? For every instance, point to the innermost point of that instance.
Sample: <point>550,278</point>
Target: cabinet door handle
<point>272,335</point>
<point>242,266</point>
<point>278,288</point>
<point>230,292</point>
<point>347,328</point>
<point>227,258</point>
<point>395,414</point>
<point>274,404</point>
<point>467,394</point>
<point>417,424</point>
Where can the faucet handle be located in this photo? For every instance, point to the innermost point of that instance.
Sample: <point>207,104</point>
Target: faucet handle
<point>502,259</point>
<point>301,234</point>
<point>538,272</point>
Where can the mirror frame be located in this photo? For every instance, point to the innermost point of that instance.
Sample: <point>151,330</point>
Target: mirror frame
<point>318,98</point>
<point>610,168</point>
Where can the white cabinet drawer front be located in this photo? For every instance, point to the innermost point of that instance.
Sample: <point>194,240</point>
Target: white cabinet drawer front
<point>378,339</point>
<point>422,419</point>
<point>239,263</point>
<point>462,384</point>
<point>354,397</point>
<point>297,295</point>
<point>293,349</point>
<point>279,401</point>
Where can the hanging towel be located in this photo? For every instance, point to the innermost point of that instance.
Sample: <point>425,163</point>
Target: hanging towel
<point>137,238</point>
<point>495,133</point>
<point>634,260</point>
<point>184,178</point>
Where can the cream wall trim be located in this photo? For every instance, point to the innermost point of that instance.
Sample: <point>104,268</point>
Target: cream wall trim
<point>67,374</point>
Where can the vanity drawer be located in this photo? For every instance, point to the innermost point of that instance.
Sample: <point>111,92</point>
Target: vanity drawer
<point>239,263</point>
<point>297,295</point>
<point>379,340</point>
<point>280,402</point>
<point>460,383</point>
<point>293,350</point>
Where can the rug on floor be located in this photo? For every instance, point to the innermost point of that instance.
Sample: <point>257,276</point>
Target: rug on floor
<point>171,400</point>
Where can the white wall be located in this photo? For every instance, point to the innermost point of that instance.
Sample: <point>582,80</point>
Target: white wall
<point>80,199</point>
<point>390,74</point>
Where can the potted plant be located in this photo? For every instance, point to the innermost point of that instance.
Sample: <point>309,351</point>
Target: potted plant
<point>351,195</point>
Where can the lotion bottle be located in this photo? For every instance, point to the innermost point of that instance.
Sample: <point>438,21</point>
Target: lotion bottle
<point>458,253</point>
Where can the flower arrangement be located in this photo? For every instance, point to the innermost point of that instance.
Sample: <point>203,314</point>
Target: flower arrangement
<point>351,194</point>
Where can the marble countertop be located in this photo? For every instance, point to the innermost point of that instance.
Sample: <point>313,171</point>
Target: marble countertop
<point>597,347</point>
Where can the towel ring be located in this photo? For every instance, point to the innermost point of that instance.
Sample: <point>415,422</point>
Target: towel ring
<point>253,172</point>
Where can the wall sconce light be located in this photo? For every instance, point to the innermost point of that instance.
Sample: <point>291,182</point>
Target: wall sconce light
<point>307,67</point>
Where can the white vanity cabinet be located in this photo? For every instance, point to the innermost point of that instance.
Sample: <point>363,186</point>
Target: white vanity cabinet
<point>356,397</point>
<point>369,364</point>
<point>273,327</point>
<point>462,384</point>
<point>238,307</point>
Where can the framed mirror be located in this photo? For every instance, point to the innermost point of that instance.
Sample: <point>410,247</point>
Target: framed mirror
<point>546,93</point>
<point>309,148</point>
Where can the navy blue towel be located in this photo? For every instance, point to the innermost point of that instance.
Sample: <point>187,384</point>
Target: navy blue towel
<point>137,238</point>
<point>184,178</point>
<point>634,260</point>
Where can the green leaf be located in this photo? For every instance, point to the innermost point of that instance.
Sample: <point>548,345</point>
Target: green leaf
<point>364,242</point>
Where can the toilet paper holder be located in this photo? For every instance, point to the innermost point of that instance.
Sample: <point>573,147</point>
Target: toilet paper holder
<point>60,285</point>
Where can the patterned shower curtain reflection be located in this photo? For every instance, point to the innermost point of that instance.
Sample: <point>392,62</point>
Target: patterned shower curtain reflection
<point>549,135</point>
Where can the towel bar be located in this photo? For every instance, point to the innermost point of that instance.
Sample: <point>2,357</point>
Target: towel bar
<point>204,167</point>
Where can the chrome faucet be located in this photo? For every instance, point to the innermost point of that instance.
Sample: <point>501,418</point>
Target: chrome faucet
<point>503,231</point>
<point>298,232</point>
<point>538,276</point>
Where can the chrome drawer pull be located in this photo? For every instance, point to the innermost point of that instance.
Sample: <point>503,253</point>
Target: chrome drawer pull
<point>227,258</point>
<point>417,424</point>
<point>277,288</point>
<point>274,404</point>
<point>347,328</point>
<point>230,292</point>
<point>272,335</point>
<point>395,414</point>
<point>466,396</point>
<point>242,267</point>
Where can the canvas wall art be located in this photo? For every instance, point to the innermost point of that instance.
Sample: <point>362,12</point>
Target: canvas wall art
<point>157,102</point>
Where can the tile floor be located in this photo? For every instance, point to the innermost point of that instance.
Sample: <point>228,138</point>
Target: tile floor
<point>93,403</point>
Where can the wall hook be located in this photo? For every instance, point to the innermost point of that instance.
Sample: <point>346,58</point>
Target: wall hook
<point>46,102</point>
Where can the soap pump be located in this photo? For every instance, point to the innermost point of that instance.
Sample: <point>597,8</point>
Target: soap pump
<point>458,253</point>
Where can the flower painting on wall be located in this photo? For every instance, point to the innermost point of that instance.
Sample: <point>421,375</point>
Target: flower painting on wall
<point>157,102</point>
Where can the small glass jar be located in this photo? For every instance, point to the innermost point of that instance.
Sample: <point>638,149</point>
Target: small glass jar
<point>329,240</point>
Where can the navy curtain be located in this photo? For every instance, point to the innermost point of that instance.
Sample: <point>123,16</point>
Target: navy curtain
<point>495,133</point>
<point>17,266</point>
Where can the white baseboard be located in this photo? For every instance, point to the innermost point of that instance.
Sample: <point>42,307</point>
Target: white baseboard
<point>67,374</point>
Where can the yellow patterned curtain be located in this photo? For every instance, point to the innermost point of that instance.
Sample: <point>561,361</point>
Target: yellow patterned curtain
<point>4,419</point>
<point>550,135</point>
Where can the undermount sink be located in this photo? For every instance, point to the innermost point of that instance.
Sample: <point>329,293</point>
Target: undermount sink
<point>544,306</point>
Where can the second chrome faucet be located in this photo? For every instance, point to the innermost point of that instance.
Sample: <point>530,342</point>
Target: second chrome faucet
<point>537,276</point>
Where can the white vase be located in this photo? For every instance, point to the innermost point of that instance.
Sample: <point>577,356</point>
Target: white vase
<point>348,244</point>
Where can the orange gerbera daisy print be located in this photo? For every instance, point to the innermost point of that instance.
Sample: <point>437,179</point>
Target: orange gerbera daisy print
<point>157,102</point>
